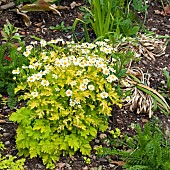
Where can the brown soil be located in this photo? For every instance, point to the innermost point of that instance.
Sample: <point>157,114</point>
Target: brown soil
<point>123,119</point>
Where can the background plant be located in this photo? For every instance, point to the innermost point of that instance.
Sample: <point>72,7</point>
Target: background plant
<point>70,94</point>
<point>111,18</point>
<point>61,27</point>
<point>150,149</point>
<point>10,59</point>
<point>10,162</point>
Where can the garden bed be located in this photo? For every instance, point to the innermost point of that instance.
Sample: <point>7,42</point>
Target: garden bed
<point>121,118</point>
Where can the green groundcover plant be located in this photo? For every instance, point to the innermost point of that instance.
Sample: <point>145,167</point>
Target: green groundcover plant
<point>148,149</point>
<point>69,89</point>
<point>10,162</point>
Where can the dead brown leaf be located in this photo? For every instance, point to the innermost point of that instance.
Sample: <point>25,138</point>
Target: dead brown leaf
<point>79,15</point>
<point>1,115</point>
<point>165,12</point>
<point>2,121</point>
<point>119,163</point>
<point>167,9</point>
<point>159,12</point>
<point>74,4</point>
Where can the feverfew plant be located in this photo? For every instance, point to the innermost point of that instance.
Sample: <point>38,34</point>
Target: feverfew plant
<point>69,93</point>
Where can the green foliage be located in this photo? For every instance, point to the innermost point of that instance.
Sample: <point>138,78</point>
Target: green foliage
<point>10,162</point>
<point>10,59</point>
<point>139,6</point>
<point>115,133</point>
<point>85,29</point>
<point>87,160</point>
<point>150,149</point>
<point>69,93</point>
<point>111,19</point>
<point>9,33</point>
<point>61,27</point>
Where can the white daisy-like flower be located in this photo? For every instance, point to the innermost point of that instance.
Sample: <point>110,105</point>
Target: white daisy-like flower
<point>29,47</point>
<point>84,45</point>
<point>33,42</point>
<point>76,62</point>
<point>106,71</point>
<point>45,82</point>
<point>43,43</point>
<point>72,102</point>
<point>104,95</point>
<point>31,79</point>
<point>79,73</point>
<point>85,51</point>
<point>45,58</point>
<point>109,79</point>
<point>91,45</point>
<point>38,76</point>
<point>108,50</point>
<point>83,87</point>
<point>42,73</point>
<point>34,94</point>
<point>48,67</point>
<point>100,43</point>
<point>26,53</point>
<point>114,78</point>
<point>54,76</point>
<point>127,99</point>
<point>90,87</point>
<point>71,57</point>
<point>24,67</point>
<point>112,70</point>
<point>99,63</point>
<point>57,62</point>
<point>16,71</point>
<point>19,48</point>
<point>68,92</point>
<point>102,48</point>
<point>76,101</point>
<point>82,64</point>
<point>92,60</point>
<point>86,81</point>
<point>31,66</point>
<point>104,66</point>
<point>65,63</point>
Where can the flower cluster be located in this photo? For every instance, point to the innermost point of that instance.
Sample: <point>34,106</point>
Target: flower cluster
<point>78,77</point>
